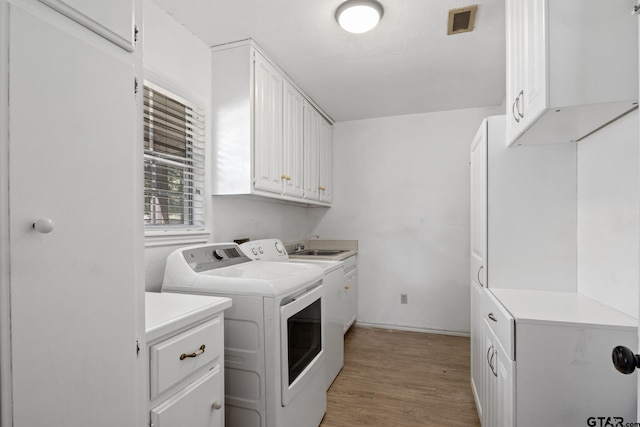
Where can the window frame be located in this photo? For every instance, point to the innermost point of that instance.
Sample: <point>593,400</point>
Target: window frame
<point>188,234</point>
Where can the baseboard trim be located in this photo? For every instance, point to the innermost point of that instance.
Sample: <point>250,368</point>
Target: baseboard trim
<point>410,329</point>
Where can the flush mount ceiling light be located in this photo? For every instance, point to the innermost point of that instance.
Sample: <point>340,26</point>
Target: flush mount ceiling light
<point>359,16</point>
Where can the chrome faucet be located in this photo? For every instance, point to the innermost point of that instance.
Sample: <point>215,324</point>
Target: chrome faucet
<point>300,246</point>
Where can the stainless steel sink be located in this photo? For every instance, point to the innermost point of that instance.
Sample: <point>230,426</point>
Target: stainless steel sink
<point>318,252</point>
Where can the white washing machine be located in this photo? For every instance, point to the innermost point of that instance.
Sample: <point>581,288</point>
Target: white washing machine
<point>273,250</point>
<point>274,332</point>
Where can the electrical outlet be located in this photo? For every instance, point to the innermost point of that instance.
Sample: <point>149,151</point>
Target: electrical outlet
<point>403,298</point>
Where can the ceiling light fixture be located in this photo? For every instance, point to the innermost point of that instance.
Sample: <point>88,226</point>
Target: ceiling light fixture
<point>359,16</point>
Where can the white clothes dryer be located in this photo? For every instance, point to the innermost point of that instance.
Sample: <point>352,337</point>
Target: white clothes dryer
<point>274,332</point>
<point>335,300</point>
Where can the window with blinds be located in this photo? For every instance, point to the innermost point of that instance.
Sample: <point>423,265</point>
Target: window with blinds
<point>173,161</point>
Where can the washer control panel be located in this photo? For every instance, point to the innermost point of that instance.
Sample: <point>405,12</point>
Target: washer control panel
<point>210,257</point>
<point>265,250</point>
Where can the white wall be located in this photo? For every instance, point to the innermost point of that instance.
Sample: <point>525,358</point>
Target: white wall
<point>401,188</point>
<point>178,57</point>
<point>608,215</point>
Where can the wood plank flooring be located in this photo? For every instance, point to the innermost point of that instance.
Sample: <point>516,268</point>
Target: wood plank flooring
<point>398,378</point>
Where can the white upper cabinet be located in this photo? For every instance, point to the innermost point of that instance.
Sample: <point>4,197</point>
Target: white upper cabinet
<point>266,133</point>
<point>293,138</point>
<point>268,129</point>
<point>311,153</point>
<point>113,19</point>
<point>325,181</point>
<point>571,68</point>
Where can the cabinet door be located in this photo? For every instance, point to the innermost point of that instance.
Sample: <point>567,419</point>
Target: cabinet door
<point>75,292</point>
<point>267,126</point>
<point>293,141</point>
<point>325,161</point>
<point>351,298</point>
<point>477,345</point>
<point>478,269</point>
<point>111,19</point>
<point>515,45</point>
<point>505,385</point>
<point>490,387</point>
<point>533,97</point>
<point>199,404</point>
<point>526,63</point>
<point>311,152</point>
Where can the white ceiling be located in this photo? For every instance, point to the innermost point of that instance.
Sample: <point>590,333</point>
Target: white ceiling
<point>406,65</point>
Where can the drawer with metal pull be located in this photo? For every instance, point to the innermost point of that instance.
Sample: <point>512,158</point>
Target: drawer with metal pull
<point>500,321</point>
<point>178,357</point>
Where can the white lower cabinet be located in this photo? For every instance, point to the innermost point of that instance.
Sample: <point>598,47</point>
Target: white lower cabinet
<point>185,341</point>
<point>499,383</point>
<point>350,291</point>
<point>200,403</point>
<point>548,360</point>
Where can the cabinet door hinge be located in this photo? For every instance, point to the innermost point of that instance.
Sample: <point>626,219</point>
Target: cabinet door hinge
<point>135,33</point>
<point>135,85</point>
<point>636,10</point>
<point>137,348</point>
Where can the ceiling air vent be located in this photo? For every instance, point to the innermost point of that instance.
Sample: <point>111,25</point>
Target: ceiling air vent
<point>461,20</point>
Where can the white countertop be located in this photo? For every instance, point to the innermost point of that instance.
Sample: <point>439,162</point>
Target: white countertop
<point>567,308</point>
<point>168,311</point>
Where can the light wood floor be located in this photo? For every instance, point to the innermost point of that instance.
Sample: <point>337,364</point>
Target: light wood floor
<point>398,378</point>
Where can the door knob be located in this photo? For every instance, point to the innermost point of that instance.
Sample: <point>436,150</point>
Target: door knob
<point>44,225</point>
<point>625,360</point>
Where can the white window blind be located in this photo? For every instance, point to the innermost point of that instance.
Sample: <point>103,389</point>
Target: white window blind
<point>173,161</point>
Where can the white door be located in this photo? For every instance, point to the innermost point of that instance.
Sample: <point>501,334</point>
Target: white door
<point>311,152</point>
<point>268,126</point>
<point>76,293</point>
<point>533,99</point>
<point>325,161</point>
<point>515,36</point>
<point>112,20</point>
<point>477,345</point>
<point>489,382</point>
<point>505,385</point>
<point>478,269</point>
<point>293,141</point>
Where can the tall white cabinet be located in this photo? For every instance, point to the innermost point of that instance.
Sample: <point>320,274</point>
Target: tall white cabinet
<point>72,298</point>
<point>523,236</point>
<point>571,67</point>
<point>478,256</point>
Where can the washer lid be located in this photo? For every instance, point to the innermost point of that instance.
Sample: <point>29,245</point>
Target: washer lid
<point>223,269</point>
<point>264,278</point>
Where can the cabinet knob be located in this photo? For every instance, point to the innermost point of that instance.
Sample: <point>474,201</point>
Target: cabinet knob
<point>346,287</point>
<point>288,178</point>
<point>216,405</point>
<point>625,360</point>
<point>44,225</point>
<point>283,176</point>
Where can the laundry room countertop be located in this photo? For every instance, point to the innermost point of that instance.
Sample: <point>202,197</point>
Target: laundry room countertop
<point>168,311</point>
<point>562,308</point>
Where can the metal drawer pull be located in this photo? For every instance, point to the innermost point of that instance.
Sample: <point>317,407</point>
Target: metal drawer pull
<point>489,350</point>
<point>195,354</point>
<point>479,278</point>
<point>492,317</point>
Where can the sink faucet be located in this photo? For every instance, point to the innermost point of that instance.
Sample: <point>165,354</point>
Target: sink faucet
<point>299,246</point>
